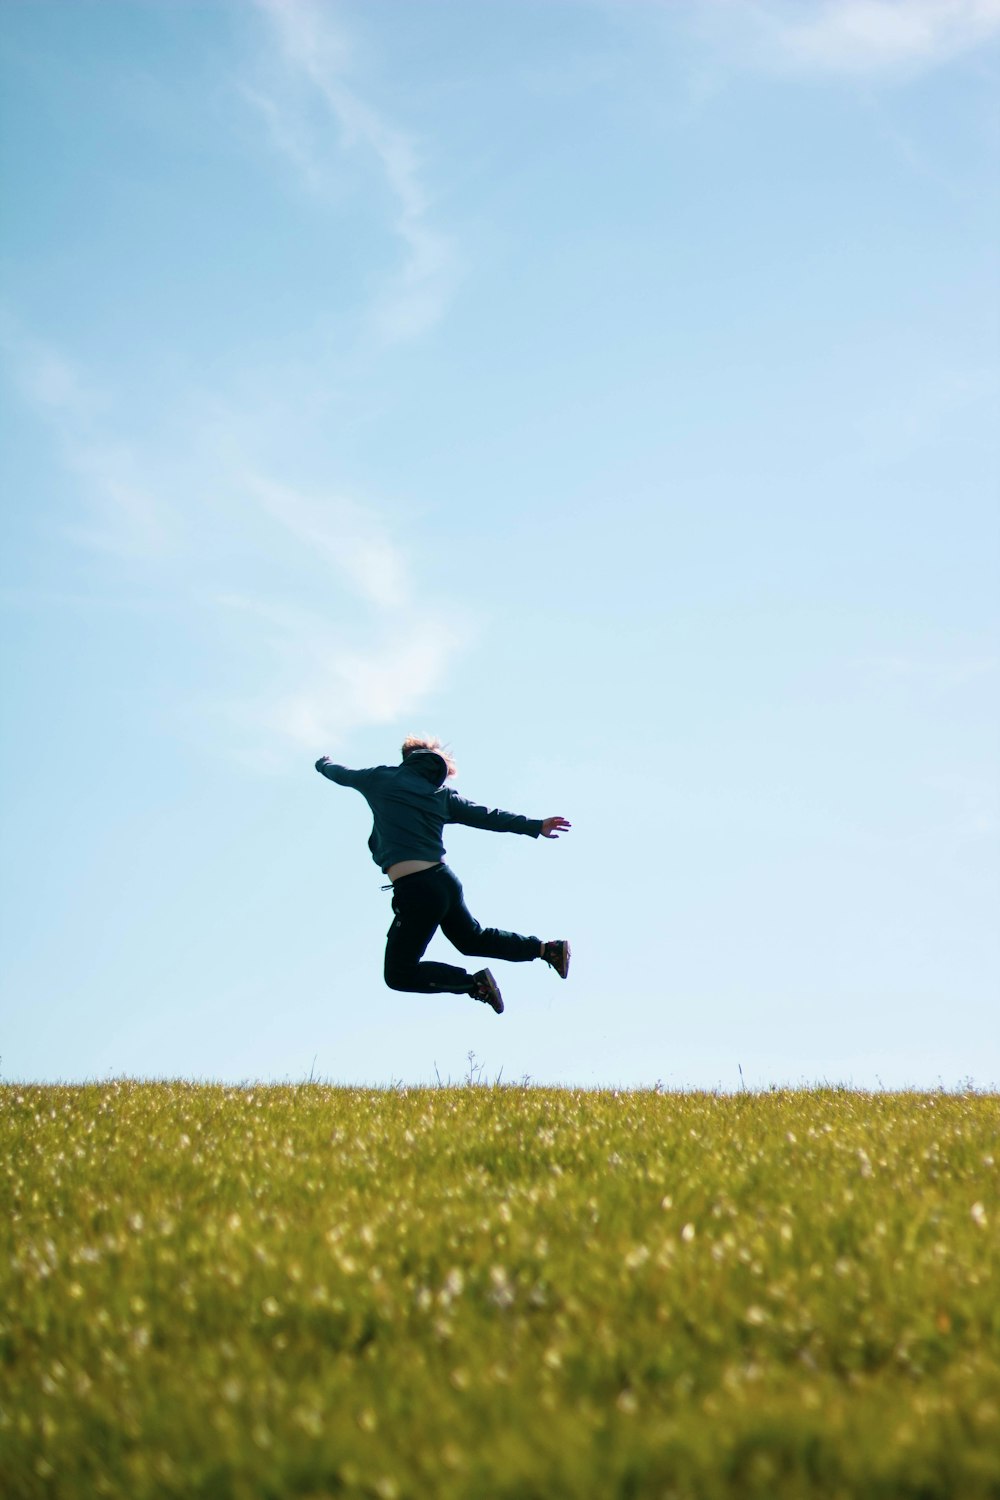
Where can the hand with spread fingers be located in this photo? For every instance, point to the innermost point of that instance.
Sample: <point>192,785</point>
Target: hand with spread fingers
<point>550,825</point>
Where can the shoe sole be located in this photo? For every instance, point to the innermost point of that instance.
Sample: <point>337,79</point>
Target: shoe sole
<point>493,997</point>
<point>563,969</point>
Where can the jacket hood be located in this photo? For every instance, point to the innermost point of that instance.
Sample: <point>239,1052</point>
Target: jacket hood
<point>428,764</point>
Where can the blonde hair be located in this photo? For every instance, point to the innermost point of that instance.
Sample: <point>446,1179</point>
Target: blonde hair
<point>428,742</point>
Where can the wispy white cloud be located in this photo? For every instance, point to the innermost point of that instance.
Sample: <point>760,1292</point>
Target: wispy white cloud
<point>362,649</point>
<point>316,57</point>
<point>309,596</point>
<point>50,380</point>
<point>327,683</point>
<point>291,138</point>
<point>127,517</point>
<point>864,37</point>
<point>330,677</point>
<point>118,511</point>
<point>343,533</point>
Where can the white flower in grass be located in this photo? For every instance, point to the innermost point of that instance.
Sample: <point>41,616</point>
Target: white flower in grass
<point>501,1293</point>
<point>454,1283</point>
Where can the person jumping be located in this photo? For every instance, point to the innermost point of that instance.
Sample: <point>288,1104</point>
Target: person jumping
<point>410,806</point>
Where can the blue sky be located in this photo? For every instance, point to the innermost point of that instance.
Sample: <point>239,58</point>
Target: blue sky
<point>608,388</point>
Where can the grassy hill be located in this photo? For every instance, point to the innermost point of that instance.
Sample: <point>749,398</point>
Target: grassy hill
<point>267,1292</point>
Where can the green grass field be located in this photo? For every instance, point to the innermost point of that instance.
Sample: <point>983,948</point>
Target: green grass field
<point>479,1292</point>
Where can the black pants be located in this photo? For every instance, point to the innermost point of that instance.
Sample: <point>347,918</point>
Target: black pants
<point>424,902</point>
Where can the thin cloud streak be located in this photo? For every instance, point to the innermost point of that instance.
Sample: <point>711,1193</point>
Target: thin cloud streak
<point>869,37</point>
<point>315,678</point>
<point>373,672</point>
<point>120,514</point>
<point>316,54</point>
<point>342,532</point>
<point>339,687</point>
<point>289,139</point>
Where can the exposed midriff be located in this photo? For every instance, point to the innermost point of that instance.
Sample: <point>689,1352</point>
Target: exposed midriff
<point>410,867</point>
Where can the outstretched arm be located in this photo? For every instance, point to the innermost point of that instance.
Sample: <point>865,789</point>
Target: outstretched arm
<point>342,775</point>
<point>474,815</point>
<point>460,810</point>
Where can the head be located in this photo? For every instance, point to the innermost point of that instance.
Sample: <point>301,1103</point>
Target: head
<point>424,742</point>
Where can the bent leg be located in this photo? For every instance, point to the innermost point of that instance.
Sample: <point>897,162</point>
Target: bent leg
<point>418,910</point>
<point>465,933</point>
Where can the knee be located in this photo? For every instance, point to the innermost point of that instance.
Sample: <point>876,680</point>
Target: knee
<point>467,942</point>
<point>398,976</point>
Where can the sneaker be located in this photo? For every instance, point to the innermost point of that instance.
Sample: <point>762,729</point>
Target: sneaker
<point>556,954</point>
<point>484,988</point>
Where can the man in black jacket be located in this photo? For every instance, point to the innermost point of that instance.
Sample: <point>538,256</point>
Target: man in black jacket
<point>410,806</point>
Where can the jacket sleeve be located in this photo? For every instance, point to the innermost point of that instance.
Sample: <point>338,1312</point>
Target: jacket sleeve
<point>460,810</point>
<point>343,775</point>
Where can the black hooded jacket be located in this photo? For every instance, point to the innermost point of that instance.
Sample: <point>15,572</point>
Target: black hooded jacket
<point>410,806</point>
